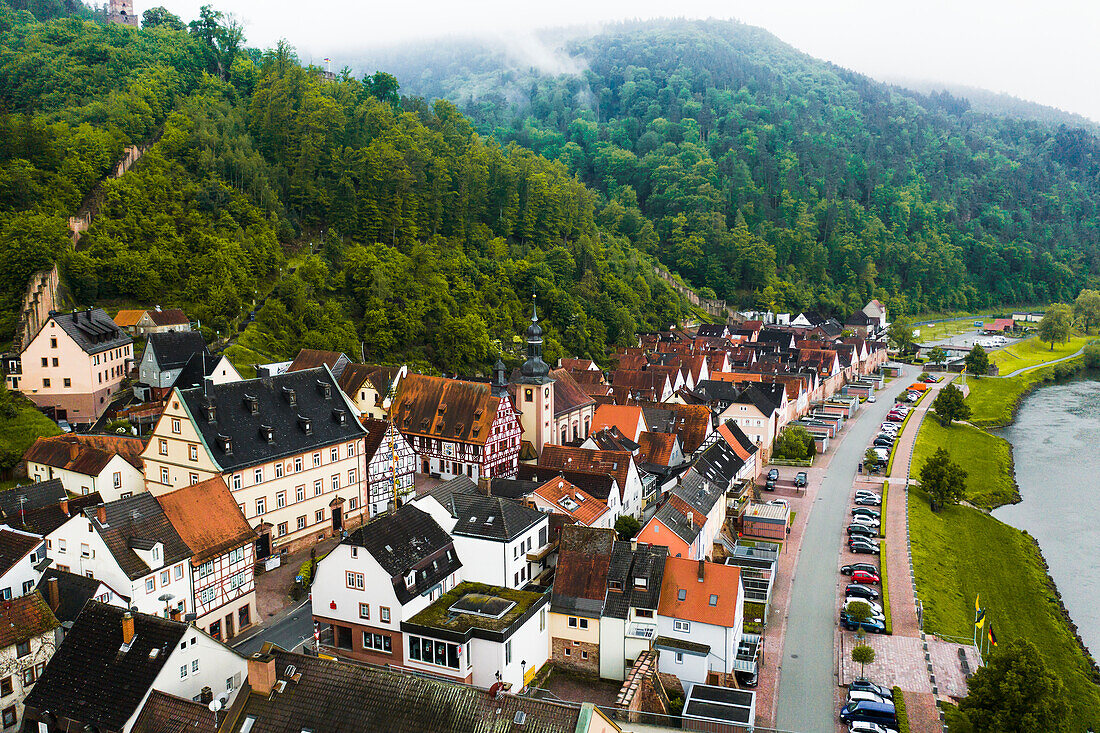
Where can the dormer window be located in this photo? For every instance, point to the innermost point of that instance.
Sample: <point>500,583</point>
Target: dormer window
<point>410,579</point>
<point>225,444</point>
<point>340,415</point>
<point>306,423</point>
<point>442,408</point>
<point>267,433</point>
<point>252,403</point>
<point>325,389</point>
<point>290,395</point>
<point>641,582</point>
<point>211,412</point>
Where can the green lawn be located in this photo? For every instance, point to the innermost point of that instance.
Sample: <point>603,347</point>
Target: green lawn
<point>986,458</point>
<point>993,400</point>
<point>961,552</point>
<point>1032,352</point>
<point>19,432</point>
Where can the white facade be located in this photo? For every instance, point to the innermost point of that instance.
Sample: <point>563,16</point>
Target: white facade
<point>118,479</point>
<point>20,672</point>
<point>722,640</point>
<point>504,563</point>
<point>198,661</point>
<point>622,641</point>
<point>22,577</point>
<point>223,588</point>
<point>395,455</point>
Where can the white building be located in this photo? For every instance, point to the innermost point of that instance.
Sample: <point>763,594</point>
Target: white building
<point>109,464</point>
<point>28,638</point>
<point>500,541</point>
<point>23,554</point>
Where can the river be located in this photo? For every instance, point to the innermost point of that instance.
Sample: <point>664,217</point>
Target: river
<point>1056,446</point>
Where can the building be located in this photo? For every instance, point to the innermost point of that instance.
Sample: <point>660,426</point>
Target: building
<point>74,364</point>
<point>480,634</point>
<point>535,390</point>
<point>128,319</point>
<point>288,446</point>
<point>112,660</point>
<point>699,621</point>
<point>85,464</point>
<point>28,638</point>
<point>291,693</point>
<point>757,416</point>
<point>122,13</point>
<point>767,521</point>
<point>67,593</point>
<point>876,311</point>
<point>577,600</point>
<point>371,388</point>
<point>314,358</point>
<point>379,576</point>
<point>628,622</point>
<point>573,408</point>
<point>500,541</point>
<point>692,516</point>
<point>22,560</point>
<point>558,496</point>
<point>619,464</point>
<point>166,357</point>
<point>223,557</point>
<point>629,419</point>
<point>458,427</point>
<point>162,321</point>
<point>391,465</point>
<point>164,713</point>
<point>16,502</point>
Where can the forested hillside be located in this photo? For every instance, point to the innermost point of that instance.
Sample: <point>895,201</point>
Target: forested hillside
<point>776,179</point>
<point>429,238</point>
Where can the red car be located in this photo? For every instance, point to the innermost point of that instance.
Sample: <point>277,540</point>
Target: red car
<point>895,417</point>
<point>864,577</point>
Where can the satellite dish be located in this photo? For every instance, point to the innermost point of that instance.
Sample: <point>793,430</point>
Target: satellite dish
<point>215,705</point>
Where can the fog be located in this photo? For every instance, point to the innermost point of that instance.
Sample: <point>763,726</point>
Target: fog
<point>1041,51</point>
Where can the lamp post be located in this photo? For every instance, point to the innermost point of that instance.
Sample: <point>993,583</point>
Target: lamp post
<point>522,675</point>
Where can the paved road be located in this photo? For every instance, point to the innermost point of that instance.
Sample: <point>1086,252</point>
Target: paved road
<point>807,685</point>
<point>288,632</point>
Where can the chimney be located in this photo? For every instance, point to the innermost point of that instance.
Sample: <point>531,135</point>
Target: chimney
<point>64,504</point>
<point>127,627</point>
<point>261,673</point>
<point>206,695</point>
<point>53,596</point>
<point>175,614</point>
<point>702,569</point>
<point>101,514</point>
<point>484,486</point>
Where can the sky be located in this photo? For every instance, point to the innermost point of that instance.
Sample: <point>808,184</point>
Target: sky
<point>1032,49</point>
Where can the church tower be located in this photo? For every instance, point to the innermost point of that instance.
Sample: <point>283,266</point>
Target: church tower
<point>535,389</point>
<point>122,12</point>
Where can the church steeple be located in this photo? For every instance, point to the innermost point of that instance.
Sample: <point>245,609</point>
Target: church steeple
<point>534,370</point>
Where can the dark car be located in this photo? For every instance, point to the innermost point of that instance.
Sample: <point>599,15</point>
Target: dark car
<point>862,511</point>
<point>883,443</point>
<point>866,685</point>
<point>769,485</point>
<point>875,627</point>
<point>800,478</point>
<point>865,500</point>
<point>858,590</point>
<point>863,547</point>
<point>747,679</point>
<point>773,475</point>
<point>861,530</point>
<point>874,712</point>
<point>864,566</point>
<point>886,436</point>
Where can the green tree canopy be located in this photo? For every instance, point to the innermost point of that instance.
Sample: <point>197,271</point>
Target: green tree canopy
<point>627,527</point>
<point>1087,308</point>
<point>1014,692</point>
<point>950,405</point>
<point>977,360</point>
<point>943,479</point>
<point>1057,324</point>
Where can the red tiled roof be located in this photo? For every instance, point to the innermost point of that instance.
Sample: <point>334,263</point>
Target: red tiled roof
<point>568,394</point>
<point>655,448</point>
<point>582,364</point>
<point>723,582</point>
<point>586,508</point>
<point>613,463</point>
<point>445,409</point>
<point>170,317</point>
<point>627,418</point>
<point>24,618</point>
<point>206,517</point>
<point>85,454</point>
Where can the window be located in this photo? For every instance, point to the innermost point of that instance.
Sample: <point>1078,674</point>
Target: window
<point>542,620</point>
<point>194,666</point>
<point>282,529</point>
<point>280,500</point>
<point>162,446</point>
<point>572,622</point>
<point>258,476</point>
<point>584,623</point>
<point>6,687</point>
<point>178,572</point>
<point>679,657</point>
<point>351,477</point>
<point>319,515</point>
<point>165,577</point>
<point>318,487</point>
<point>713,599</point>
<point>235,555</point>
<point>150,585</point>
<point>55,361</point>
<point>298,464</point>
<point>364,611</point>
<point>353,503</point>
<point>53,343</point>
<point>336,482</point>
<point>192,477</point>
<point>183,671</point>
<point>682,594</point>
<point>261,505</point>
<point>334,454</point>
<point>278,470</point>
<point>28,676</point>
<point>85,550</point>
<point>67,382</point>
<point>354,580</point>
<point>62,546</point>
<point>116,479</point>
<point>643,612</point>
<point>301,522</point>
<point>236,481</point>
<point>568,652</point>
<point>435,652</point>
<point>351,449</point>
<point>23,649</point>
<point>377,642</point>
<point>316,459</point>
<point>45,362</point>
<point>508,652</point>
<point>193,452</point>
<point>300,493</point>
<point>384,614</point>
<point>164,477</point>
<point>176,425</point>
<point>682,626</point>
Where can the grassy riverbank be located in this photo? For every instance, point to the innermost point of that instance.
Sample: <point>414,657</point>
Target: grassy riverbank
<point>986,458</point>
<point>960,553</point>
<point>1032,352</point>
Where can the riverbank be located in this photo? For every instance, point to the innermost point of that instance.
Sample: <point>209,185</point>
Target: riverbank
<point>961,553</point>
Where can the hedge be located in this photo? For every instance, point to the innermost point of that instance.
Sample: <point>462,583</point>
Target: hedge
<point>899,710</point>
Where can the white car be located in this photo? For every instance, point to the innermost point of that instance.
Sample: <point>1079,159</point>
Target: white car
<point>871,398</point>
<point>882,453</point>
<point>868,521</point>
<point>779,502</point>
<point>875,607</point>
<point>875,615</point>
<point>862,696</point>
<point>866,726</point>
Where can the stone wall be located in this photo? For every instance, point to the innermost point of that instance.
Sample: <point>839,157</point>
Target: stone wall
<point>570,655</point>
<point>716,308</point>
<point>40,298</point>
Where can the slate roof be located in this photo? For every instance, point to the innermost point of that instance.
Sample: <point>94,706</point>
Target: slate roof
<point>164,713</point>
<point>859,318</point>
<point>207,518</point>
<point>491,517</point>
<point>92,330</point>
<point>713,330</point>
<point>174,349</point>
<point>580,581</point>
<point>233,416</point>
<point>169,317</point>
<point>73,592</point>
<point>90,680</point>
<point>644,561</point>
<point>24,618</point>
<point>36,495</point>
<point>445,409</point>
<point>198,367</point>
<point>85,454</point>
<point>337,697</point>
<point>442,491</point>
<point>717,393</point>
<point>14,546</point>
<point>511,488</point>
<point>45,519</point>
<point>138,520</point>
<point>568,395</point>
<point>776,336</point>
<point>406,540</point>
<point>719,463</point>
<point>753,395</point>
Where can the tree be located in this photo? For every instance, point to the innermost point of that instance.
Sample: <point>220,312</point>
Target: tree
<point>859,612</point>
<point>936,355</point>
<point>794,443</point>
<point>1087,308</point>
<point>1056,324</point>
<point>222,36</point>
<point>160,17</point>
<point>944,480</point>
<point>870,460</point>
<point>627,527</point>
<point>1092,356</point>
<point>1015,691</point>
<point>863,655</point>
<point>977,361</point>
<point>949,405</point>
<point>901,333</point>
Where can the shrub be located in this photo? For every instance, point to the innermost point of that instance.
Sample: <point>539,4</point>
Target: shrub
<point>794,443</point>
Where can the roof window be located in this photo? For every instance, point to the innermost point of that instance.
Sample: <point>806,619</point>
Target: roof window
<point>306,423</point>
<point>682,594</point>
<point>340,415</point>
<point>324,388</point>
<point>225,444</point>
<point>290,395</point>
<point>252,402</point>
<point>714,599</point>
<point>267,433</point>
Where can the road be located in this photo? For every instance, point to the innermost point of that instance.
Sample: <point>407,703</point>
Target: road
<point>807,686</point>
<point>288,632</point>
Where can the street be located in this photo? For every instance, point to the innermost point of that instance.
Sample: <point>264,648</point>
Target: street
<point>288,632</point>
<point>807,685</point>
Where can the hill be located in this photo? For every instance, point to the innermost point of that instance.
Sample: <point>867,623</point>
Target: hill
<point>777,179</point>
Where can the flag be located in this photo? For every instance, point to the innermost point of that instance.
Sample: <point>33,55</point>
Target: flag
<point>977,606</point>
<point>992,636</point>
<point>327,60</point>
<point>980,620</point>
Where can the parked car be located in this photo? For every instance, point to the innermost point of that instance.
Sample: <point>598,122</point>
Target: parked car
<point>872,522</point>
<point>865,578</point>
<point>882,453</point>
<point>769,485</point>
<point>779,502</point>
<point>853,567</point>
<point>860,530</point>
<point>858,590</point>
<point>895,417</point>
<point>865,684</point>
<point>875,627</point>
<point>889,427</point>
<point>862,511</point>
<point>857,695</point>
<point>865,500</point>
<point>773,475</point>
<point>883,443</point>
<point>866,726</point>
<point>891,435</point>
<point>873,712</point>
<point>65,426</point>
<point>863,547</point>
<point>800,479</point>
<point>871,398</point>
<point>876,609</point>
<point>747,679</point>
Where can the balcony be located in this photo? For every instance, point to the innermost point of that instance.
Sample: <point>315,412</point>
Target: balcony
<point>540,554</point>
<point>641,631</point>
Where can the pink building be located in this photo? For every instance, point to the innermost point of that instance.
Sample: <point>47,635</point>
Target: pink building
<point>74,364</point>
